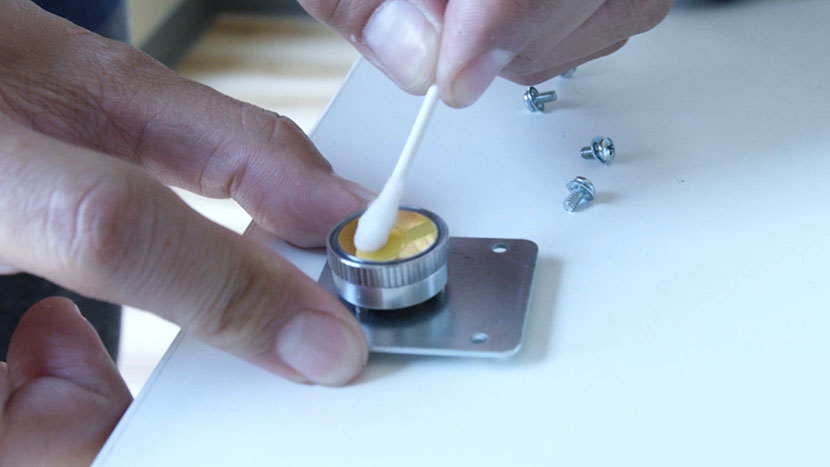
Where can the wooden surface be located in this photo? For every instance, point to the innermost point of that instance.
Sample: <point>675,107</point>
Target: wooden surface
<point>146,15</point>
<point>292,66</point>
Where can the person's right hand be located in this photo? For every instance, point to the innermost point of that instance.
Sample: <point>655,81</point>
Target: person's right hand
<point>89,130</point>
<point>462,45</point>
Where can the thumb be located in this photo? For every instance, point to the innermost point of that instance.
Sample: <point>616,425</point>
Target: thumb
<point>401,37</point>
<point>62,394</point>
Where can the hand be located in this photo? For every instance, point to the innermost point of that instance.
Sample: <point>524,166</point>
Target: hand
<point>89,128</point>
<point>462,45</point>
<point>60,392</point>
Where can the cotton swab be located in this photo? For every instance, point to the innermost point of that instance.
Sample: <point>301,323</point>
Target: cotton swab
<point>377,222</point>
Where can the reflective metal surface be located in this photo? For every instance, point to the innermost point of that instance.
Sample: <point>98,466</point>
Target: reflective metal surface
<point>481,313</point>
<point>410,269</point>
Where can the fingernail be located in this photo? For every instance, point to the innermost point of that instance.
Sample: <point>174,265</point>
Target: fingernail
<point>321,348</point>
<point>471,83</point>
<point>67,301</point>
<point>359,191</point>
<point>74,307</point>
<point>404,42</point>
<point>78,310</point>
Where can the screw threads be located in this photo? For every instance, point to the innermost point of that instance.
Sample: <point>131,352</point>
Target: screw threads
<point>587,152</point>
<point>548,96</point>
<point>535,100</point>
<point>581,190</point>
<point>573,201</point>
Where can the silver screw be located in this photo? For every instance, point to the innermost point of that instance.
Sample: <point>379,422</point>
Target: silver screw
<point>601,149</point>
<point>569,73</point>
<point>535,100</point>
<point>582,190</point>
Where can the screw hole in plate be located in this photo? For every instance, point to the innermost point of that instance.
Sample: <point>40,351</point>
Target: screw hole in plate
<point>479,338</point>
<point>499,248</point>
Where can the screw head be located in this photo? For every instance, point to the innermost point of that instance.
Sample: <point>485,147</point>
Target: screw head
<point>530,100</point>
<point>604,149</point>
<point>583,185</point>
<point>569,73</point>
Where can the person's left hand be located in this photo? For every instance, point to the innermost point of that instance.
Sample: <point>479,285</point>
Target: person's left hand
<point>61,394</point>
<point>90,131</point>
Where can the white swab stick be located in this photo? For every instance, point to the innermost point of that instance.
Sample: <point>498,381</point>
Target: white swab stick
<point>377,222</point>
<point>416,135</point>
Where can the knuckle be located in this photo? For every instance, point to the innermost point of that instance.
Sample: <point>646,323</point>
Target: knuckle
<point>108,227</point>
<point>266,126</point>
<point>263,125</point>
<point>265,129</point>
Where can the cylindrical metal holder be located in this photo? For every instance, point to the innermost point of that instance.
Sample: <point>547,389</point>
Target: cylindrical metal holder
<point>410,269</point>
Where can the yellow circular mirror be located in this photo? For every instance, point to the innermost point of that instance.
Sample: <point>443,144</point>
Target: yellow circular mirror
<point>412,234</point>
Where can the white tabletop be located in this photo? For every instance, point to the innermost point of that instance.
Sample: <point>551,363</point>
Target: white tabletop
<point>680,319</point>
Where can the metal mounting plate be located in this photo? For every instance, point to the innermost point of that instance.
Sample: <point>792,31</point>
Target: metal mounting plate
<point>481,313</point>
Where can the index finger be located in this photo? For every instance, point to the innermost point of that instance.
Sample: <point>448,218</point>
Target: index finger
<point>89,91</point>
<point>106,229</point>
